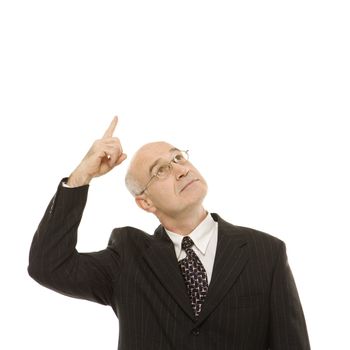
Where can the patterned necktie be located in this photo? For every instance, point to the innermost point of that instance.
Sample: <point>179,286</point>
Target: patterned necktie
<point>194,275</point>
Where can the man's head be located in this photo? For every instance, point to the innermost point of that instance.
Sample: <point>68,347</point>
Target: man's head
<point>181,190</point>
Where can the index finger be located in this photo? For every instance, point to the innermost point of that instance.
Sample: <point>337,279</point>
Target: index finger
<point>109,132</point>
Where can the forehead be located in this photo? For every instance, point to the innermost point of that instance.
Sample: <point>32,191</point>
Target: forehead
<point>152,151</point>
<point>147,155</point>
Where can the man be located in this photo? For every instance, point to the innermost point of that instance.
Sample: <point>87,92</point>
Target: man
<point>198,283</point>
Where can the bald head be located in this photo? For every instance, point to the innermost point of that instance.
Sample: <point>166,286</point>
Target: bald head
<point>141,163</point>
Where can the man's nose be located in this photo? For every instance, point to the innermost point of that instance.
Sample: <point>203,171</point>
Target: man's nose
<point>180,170</point>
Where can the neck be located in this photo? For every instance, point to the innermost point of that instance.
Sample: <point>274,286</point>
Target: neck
<point>184,223</point>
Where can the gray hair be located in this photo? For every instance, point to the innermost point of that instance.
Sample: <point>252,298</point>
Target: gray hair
<point>132,184</point>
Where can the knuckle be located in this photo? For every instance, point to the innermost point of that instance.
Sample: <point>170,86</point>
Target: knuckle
<point>96,143</point>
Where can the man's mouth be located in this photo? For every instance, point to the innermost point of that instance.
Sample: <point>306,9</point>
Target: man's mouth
<point>189,184</point>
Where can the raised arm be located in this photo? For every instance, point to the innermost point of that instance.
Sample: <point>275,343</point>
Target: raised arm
<point>53,260</point>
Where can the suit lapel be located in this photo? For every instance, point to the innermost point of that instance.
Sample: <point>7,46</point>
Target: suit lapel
<point>230,259</point>
<point>161,257</point>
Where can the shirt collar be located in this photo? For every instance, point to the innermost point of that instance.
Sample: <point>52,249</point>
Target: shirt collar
<point>200,236</point>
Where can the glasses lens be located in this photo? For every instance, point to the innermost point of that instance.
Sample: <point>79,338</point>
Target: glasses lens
<point>163,171</point>
<point>181,157</point>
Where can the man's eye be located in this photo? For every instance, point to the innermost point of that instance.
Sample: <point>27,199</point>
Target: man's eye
<point>162,170</point>
<point>179,158</point>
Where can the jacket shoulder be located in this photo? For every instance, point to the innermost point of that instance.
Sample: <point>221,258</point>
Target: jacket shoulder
<point>262,246</point>
<point>252,233</point>
<point>260,239</point>
<point>127,235</point>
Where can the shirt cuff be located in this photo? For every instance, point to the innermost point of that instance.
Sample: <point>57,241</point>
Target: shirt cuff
<point>64,183</point>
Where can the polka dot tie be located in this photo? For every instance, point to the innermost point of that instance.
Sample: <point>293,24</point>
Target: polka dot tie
<point>195,276</point>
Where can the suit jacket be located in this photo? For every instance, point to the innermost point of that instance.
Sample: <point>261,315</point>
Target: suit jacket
<point>252,301</point>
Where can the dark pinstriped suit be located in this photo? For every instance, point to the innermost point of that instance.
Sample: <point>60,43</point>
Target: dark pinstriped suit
<point>252,302</point>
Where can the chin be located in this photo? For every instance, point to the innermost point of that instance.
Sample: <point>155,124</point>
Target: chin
<point>196,196</point>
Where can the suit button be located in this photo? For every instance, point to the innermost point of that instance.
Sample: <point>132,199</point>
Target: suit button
<point>195,331</point>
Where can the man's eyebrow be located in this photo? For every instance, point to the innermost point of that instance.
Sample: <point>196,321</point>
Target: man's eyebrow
<point>159,159</point>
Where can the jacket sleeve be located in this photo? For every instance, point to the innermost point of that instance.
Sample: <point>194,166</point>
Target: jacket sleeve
<point>54,261</point>
<point>287,323</point>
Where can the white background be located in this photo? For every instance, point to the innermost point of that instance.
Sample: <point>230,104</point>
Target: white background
<point>257,90</point>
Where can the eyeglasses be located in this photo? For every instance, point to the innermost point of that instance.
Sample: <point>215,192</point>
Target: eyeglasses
<point>163,170</point>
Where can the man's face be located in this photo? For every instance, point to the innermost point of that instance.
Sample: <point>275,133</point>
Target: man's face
<point>183,189</point>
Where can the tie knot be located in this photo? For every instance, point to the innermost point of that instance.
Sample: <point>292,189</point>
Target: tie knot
<point>186,243</point>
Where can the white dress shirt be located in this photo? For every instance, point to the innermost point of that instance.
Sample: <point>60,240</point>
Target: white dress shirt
<point>205,238</point>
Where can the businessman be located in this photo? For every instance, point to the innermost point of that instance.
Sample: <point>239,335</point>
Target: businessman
<point>197,283</point>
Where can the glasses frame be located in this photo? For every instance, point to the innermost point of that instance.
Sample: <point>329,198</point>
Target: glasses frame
<point>173,160</point>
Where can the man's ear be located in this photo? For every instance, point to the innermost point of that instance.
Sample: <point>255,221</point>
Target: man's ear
<point>145,203</point>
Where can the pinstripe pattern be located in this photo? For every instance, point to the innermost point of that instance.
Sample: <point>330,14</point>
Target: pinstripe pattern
<point>252,301</point>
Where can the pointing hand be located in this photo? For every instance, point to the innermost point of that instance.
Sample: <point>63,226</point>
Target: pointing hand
<point>102,157</point>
